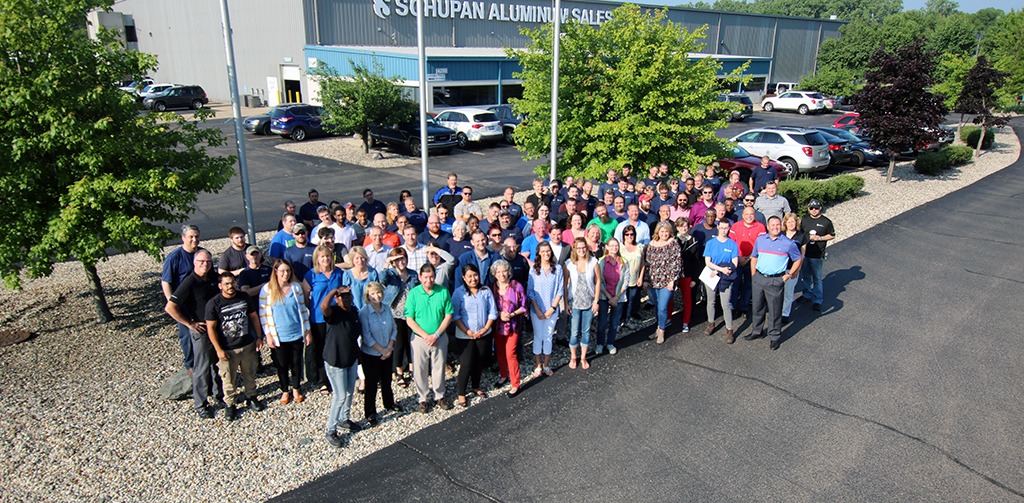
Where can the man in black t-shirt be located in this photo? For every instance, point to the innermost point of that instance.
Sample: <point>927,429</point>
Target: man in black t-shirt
<point>187,306</point>
<point>233,259</point>
<point>819,231</point>
<point>256,274</point>
<point>229,317</point>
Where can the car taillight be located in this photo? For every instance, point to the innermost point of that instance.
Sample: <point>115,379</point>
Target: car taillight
<point>477,126</point>
<point>808,151</point>
<point>813,101</point>
<point>287,119</point>
<point>833,147</point>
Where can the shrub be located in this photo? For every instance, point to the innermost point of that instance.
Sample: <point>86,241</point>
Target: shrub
<point>957,155</point>
<point>931,163</point>
<point>799,191</point>
<point>969,134</point>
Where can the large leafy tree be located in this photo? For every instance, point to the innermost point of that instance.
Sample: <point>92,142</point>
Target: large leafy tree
<point>85,173</point>
<point>978,96</point>
<point>628,92</point>
<point>1005,44</point>
<point>847,10</point>
<point>364,99</point>
<point>895,105</point>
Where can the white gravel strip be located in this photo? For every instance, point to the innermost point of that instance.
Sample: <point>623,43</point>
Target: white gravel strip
<point>81,419</point>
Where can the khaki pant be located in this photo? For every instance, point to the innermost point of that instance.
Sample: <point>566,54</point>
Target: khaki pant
<point>428,362</point>
<point>244,357</point>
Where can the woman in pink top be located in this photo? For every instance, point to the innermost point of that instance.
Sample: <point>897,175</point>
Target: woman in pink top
<point>575,229</point>
<point>511,299</point>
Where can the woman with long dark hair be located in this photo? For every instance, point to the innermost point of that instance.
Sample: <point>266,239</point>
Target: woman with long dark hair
<point>285,321</point>
<point>474,317</point>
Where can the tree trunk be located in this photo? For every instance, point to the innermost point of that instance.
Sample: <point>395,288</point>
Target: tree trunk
<point>892,166</point>
<point>102,309</point>
<point>959,125</point>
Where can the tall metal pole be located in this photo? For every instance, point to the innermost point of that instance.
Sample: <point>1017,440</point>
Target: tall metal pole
<point>236,112</point>
<point>554,86</point>
<point>422,56</point>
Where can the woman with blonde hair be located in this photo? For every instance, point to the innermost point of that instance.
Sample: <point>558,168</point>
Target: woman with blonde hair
<point>594,239</point>
<point>614,281</point>
<point>791,228</point>
<point>582,289</point>
<point>391,215</point>
<point>661,272</point>
<point>376,346</point>
<point>320,281</point>
<point>359,275</point>
<point>285,321</point>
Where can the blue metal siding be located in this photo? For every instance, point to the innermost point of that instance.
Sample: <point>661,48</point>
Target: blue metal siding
<point>746,36</point>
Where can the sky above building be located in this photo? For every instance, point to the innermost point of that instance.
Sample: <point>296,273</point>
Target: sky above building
<point>971,6</point>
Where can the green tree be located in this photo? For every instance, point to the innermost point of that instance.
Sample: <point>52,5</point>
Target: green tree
<point>365,99</point>
<point>831,81</point>
<point>86,173</point>
<point>1007,46</point>
<point>952,70</point>
<point>895,106</point>
<point>628,92</point>
<point>941,7</point>
<point>954,34</point>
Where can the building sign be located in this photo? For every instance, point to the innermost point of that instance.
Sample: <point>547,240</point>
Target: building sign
<point>486,11</point>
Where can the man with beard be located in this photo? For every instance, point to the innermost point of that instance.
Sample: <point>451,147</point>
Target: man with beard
<point>605,222</point>
<point>229,317</point>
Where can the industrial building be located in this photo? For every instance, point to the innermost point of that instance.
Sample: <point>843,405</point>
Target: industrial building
<point>278,42</point>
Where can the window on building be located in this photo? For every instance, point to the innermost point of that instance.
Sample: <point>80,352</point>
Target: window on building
<point>129,34</point>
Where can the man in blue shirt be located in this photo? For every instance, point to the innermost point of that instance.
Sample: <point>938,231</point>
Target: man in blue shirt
<point>300,254</point>
<point>775,260</point>
<point>479,256</point>
<point>177,266</point>
<point>762,175</point>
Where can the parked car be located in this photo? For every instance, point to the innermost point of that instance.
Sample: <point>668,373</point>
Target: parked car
<point>777,88</point>
<point>153,90</point>
<point>847,119</point>
<point>946,135</point>
<point>745,163</point>
<point>862,149</point>
<point>509,121</point>
<point>298,121</point>
<point>743,99</point>
<point>839,150</point>
<point>802,150</point>
<point>475,125</point>
<point>406,136</point>
<point>260,124</point>
<point>193,97</point>
<point>135,86</point>
<point>803,102</point>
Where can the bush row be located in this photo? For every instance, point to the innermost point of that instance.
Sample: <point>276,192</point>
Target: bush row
<point>969,134</point>
<point>933,163</point>
<point>799,191</point>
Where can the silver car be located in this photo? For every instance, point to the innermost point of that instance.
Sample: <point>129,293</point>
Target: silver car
<point>475,125</point>
<point>802,150</point>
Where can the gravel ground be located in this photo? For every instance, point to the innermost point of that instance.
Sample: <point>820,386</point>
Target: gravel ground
<point>350,149</point>
<point>82,420</point>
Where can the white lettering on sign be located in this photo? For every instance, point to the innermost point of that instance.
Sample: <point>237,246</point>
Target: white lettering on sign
<point>489,11</point>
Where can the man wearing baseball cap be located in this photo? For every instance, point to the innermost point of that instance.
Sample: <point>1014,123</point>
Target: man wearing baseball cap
<point>819,231</point>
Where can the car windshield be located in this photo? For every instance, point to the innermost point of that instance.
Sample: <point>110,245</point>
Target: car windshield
<point>844,134</point>
<point>739,152</point>
<point>487,117</point>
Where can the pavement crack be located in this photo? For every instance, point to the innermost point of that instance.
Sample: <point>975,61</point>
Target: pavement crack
<point>948,455</point>
<point>447,474</point>
<point>993,276</point>
<point>951,235</point>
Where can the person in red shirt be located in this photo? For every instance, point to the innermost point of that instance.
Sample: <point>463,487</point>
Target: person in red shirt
<point>744,233</point>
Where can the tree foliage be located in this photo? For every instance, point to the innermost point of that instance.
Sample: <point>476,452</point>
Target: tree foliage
<point>628,92</point>
<point>847,10</point>
<point>85,172</point>
<point>365,99</point>
<point>978,95</point>
<point>1006,48</point>
<point>895,105</point>
<point>831,81</point>
<point>953,68</point>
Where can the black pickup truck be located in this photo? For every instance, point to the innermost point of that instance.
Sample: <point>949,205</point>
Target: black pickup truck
<point>406,136</point>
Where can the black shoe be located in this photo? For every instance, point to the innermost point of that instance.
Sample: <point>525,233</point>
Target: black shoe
<point>785,320</point>
<point>372,421</point>
<point>444,405</point>
<point>229,413</point>
<point>750,337</point>
<point>394,408</point>
<point>205,412</point>
<point>424,408</point>
<point>802,299</point>
<point>774,345</point>
<point>352,427</point>
<point>816,307</point>
<point>256,405</point>
<point>333,439</point>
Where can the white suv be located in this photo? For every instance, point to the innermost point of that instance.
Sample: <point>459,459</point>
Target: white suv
<point>473,125</point>
<point>802,150</point>
<point>804,102</point>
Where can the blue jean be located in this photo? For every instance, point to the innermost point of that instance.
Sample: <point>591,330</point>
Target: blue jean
<point>343,382</point>
<point>811,280</point>
<point>607,328</point>
<point>579,327</point>
<point>741,291</point>
<point>632,301</point>
<point>185,339</point>
<point>662,296</point>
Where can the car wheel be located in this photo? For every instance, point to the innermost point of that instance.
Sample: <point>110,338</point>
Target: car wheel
<point>791,165</point>
<point>803,109</point>
<point>414,147</point>
<point>265,130</point>
<point>768,107</point>
<point>463,141</point>
<point>298,134</point>
<point>161,106</point>
<point>508,136</point>
<point>196,104</point>
<point>860,159</point>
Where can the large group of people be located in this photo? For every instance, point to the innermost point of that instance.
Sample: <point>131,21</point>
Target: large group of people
<point>360,298</point>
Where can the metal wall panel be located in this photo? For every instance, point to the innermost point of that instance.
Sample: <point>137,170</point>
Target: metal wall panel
<point>746,36</point>
<point>187,38</point>
<point>694,20</point>
<point>796,49</point>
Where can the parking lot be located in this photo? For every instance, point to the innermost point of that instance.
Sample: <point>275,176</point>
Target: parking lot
<point>276,175</point>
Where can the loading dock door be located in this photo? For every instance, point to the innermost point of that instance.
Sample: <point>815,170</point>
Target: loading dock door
<point>292,86</point>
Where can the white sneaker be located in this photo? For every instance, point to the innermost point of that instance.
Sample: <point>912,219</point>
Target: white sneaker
<point>598,350</point>
<point>612,350</point>
<point>686,328</point>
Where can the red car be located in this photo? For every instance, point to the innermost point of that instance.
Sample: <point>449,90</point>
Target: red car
<point>847,119</point>
<point>745,163</point>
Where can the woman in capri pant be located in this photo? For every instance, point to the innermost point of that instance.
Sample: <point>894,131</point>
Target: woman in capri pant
<point>545,288</point>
